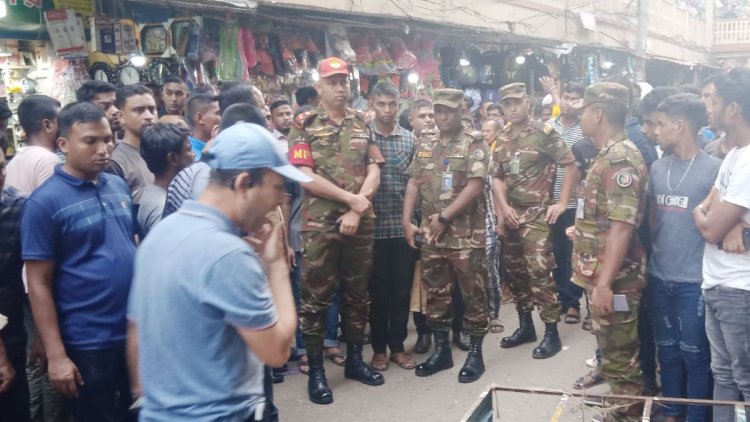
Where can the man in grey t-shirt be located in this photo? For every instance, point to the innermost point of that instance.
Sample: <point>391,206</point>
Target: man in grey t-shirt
<point>166,150</point>
<point>678,183</point>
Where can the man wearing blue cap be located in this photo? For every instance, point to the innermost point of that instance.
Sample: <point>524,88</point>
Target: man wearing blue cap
<point>230,305</point>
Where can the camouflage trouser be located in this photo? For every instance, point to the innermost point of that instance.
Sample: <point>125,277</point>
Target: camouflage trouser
<point>333,262</point>
<point>617,336</point>
<point>441,269</point>
<point>528,260</point>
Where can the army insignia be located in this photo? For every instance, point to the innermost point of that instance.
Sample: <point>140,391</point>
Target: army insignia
<point>548,129</point>
<point>428,146</point>
<point>478,154</point>
<point>335,64</point>
<point>424,154</point>
<point>624,179</point>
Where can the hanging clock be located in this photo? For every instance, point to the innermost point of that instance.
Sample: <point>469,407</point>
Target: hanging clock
<point>158,69</point>
<point>154,39</point>
<point>128,75</point>
<point>103,72</point>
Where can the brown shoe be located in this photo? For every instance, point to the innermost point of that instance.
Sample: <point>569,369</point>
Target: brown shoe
<point>379,362</point>
<point>403,359</point>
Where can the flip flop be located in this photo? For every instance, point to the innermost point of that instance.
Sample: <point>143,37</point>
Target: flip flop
<point>573,316</point>
<point>339,358</point>
<point>587,324</point>
<point>594,377</point>
<point>403,360</point>
<point>379,362</point>
<point>496,326</point>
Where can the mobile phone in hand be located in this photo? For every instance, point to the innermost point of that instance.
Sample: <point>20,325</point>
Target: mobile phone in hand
<point>620,303</point>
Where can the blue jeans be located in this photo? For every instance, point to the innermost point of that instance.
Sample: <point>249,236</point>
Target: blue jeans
<point>568,292</point>
<point>105,394</point>
<point>332,316</point>
<point>728,330</point>
<point>678,320</point>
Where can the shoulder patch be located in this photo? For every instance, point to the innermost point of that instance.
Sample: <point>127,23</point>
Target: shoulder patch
<point>547,129</point>
<point>478,154</point>
<point>624,179</point>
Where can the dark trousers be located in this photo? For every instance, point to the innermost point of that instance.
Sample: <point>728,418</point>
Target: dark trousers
<point>105,394</point>
<point>646,334</point>
<point>420,321</point>
<point>458,311</point>
<point>569,294</point>
<point>390,291</point>
<point>14,403</point>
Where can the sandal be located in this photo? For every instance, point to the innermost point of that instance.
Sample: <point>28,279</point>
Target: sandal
<point>587,324</point>
<point>403,360</point>
<point>496,326</point>
<point>572,316</point>
<point>379,362</point>
<point>338,357</point>
<point>594,377</point>
<point>303,365</point>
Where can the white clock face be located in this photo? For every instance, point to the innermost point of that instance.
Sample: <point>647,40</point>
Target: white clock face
<point>129,76</point>
<point>101,75</point>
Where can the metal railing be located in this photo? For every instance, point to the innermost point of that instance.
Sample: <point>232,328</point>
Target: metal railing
<point>735,31</point>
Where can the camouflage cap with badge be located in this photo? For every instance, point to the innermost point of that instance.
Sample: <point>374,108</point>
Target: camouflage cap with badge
<point>602,93</point>
<point>451,98</point>
<point>514,90</point>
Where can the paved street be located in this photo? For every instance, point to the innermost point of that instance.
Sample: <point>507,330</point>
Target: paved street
<point>405,397</point>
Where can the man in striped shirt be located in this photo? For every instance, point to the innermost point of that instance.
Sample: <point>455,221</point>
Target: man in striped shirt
<point>568,125</point>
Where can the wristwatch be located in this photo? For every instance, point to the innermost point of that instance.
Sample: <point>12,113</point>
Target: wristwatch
<point>442,220</point>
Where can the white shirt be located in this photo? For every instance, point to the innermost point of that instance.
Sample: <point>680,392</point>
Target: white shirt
<point>721,268</point>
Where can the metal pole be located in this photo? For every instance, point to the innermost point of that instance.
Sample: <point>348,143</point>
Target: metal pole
<point>641,46</point>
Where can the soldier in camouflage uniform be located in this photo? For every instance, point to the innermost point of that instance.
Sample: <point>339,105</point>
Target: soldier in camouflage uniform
<point>332,144</point>
<point>448,174</point>
<point>608,258</point>
<point>524,165</point>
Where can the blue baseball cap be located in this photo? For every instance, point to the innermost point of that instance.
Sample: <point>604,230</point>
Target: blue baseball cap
<point>246,146</point>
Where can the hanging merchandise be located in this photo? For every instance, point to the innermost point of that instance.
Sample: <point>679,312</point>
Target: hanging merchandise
<point>248,51</point>
<point>184,36</point>
<point>68,76</point>
<point>208,49</point>
<point>230,63</point>
<point>427,68</point>
<point>381,59</point>
<point>265,61</point>
<point>66,32</point>
<point>402,56</point>
<point>337,44</point>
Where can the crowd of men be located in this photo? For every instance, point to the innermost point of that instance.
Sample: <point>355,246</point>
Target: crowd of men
<point>160,267</point>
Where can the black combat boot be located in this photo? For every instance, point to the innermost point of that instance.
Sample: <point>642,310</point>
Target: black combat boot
<point>441,358</point>
<point>474,365</point>
<point>423,343</point>
<point>550,344</point>
<point>524,334</point>
<point>461,340</point>
<point>356,369</point>
<point>317,385</point>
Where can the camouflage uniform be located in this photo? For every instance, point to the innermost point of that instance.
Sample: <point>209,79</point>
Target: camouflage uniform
<point>527,251</point>
<point>460,252</point>
<point>332,261</point>
<point>614,190</point>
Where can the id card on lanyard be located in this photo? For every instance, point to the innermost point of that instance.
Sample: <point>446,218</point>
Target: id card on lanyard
<point>446,178</point>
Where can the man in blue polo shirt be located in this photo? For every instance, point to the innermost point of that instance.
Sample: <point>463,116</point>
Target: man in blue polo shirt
<point>77,243</point>
<point>230,307</point>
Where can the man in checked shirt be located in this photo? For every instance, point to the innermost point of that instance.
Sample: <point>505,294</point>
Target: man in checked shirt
<point>393,259</point>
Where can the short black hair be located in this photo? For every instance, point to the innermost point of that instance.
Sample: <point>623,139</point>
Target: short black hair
<point>419,103</point>
<point>5,111</point>
<point>403,120</point>
<point>615,113</point>
<point>242,113</point>
<point>90,89</point>
<point>34,109</point>
<point>469,101</point>
<point>131,91</point>
<point>77,112</point>
<point>734,87</point>
<point>651,101</point>
<point>305,94</point>
<point>385,88</point>
<point>710,79</point>
<point>172,79</point>
<point>198,103</point>
<point>495,106</point>
<point>686,106</point>
<point>157,141</point>
<point>235,92</point>
<point>574,88</point>
<point>278,103</point>
<point>690,89</point>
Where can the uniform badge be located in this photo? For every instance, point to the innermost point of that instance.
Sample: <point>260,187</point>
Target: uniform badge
<point>624,179</point>
<point>478,154</point>
<point>428,146</point>
<point>548,129</point>
<point>424,154</point>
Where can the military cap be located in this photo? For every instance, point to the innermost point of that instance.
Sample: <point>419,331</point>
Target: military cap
<point>332,66</point>
<point>514,90</point>
<point>451,98</point>
<point>603,92</point>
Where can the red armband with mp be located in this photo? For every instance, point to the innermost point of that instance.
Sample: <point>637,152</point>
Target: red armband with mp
<point>300,155</point>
